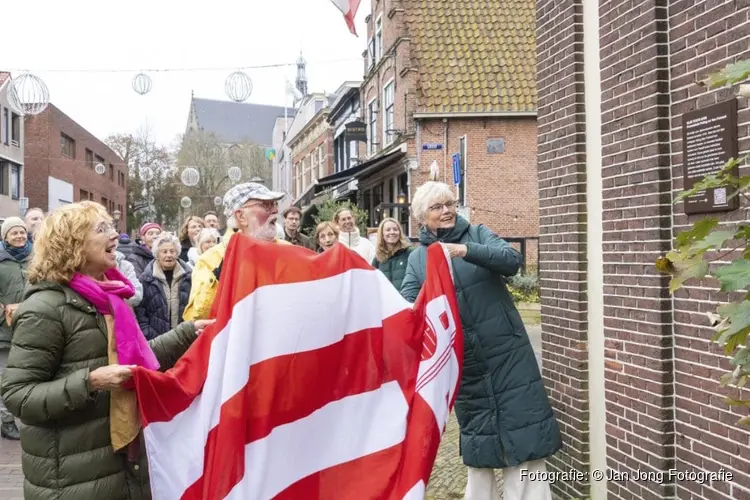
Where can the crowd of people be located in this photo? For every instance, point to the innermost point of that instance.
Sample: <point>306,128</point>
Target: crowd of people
<point>70,285</point>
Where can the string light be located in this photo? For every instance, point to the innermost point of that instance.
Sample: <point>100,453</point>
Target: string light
<point>182,70</point>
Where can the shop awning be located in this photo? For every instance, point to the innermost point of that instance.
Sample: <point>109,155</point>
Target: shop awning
<point>362,170</point>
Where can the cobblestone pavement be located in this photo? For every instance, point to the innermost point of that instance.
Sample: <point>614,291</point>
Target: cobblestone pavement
<point>448,480</point>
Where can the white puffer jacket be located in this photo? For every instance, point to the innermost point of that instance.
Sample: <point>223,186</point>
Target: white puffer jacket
<point>362,246</point>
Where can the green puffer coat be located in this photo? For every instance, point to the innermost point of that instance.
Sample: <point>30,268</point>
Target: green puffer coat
<point>395,267</point>
<point>502,407</point>
<point>12,285</point>
<point>58,338</point>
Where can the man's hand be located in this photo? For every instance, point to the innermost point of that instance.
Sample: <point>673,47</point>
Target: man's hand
<point>456,250</point>
<point>201,324</point>
<point>110,377</point>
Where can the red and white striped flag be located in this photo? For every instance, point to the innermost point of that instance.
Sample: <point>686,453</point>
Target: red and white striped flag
<point>317,381</point>
<point>349,9</point>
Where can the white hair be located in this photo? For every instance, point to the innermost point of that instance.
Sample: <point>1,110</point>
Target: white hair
<point>206,234</point>
<point>166,238</point>
<point>232,222</point>
<point>427,194</point>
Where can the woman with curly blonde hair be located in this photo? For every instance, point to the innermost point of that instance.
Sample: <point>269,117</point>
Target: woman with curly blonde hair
<point>75,342</point>
<point>189,236</point>
<point>392,251</point>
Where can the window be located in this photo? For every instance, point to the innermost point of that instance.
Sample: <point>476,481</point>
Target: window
<point>121,179</point>
<point>388,116</point>
<point>89,158</point>
<point>371,53</point>
<point>314,163</point>
<point>67,146</point>
<point>83,195</point>
<point>372,126</point>
<point>6,126</point>
<point>378,39</point>
<point>98,159</point>
<point>111,173</point>
<point>321,163</point>
<point>105,202</point>
<point>15,182</point>
<point>15,130</point>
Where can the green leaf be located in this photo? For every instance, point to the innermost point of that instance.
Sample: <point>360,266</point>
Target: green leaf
<point>734,276</point>
<point>739,327</point>
<point>736,402</point>
<point>714,240</point>
<point>698,232</point>
<point>744,421</point>
<point>730,75</point>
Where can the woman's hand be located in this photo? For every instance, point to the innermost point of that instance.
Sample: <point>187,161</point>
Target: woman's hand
<point>10,310</point>
<point>456,250</point>
<point>110,377</point>
<point>201,324</point>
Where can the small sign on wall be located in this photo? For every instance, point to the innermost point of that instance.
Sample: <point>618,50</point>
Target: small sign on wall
<point>432,147</point>
<point>495,146</point>
<point>709,140</point>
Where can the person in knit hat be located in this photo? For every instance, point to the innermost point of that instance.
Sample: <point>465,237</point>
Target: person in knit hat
<point>15,253</point>
<point>141,256</point>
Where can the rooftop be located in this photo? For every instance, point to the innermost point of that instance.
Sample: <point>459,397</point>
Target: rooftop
<point>237,122</point>
<point>474,56</point>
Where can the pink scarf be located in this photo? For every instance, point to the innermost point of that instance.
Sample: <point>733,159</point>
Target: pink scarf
<point>109,298</point>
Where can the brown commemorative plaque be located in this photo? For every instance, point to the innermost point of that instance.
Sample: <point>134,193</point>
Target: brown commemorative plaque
<point>709,140</point>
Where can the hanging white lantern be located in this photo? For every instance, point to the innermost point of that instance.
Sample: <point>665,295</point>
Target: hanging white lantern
<point>190,176</point>
<point>28,94</point>
<point>142,83</point>
<point>186,202</point>
<point>234,173</point>
<point>146,173</point>
<point>218,201</point>
<point>238,86</point>
<point>100,168</point>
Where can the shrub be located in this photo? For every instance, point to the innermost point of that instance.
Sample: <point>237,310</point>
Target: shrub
<point>524,287</point>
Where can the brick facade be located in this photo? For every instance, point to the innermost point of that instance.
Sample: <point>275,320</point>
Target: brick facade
<point>664,406</point>
<point>312,154</point>
<point>44,158</point>
<point>502,189</point>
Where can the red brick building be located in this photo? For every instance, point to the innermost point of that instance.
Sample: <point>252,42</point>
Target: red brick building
<point>445,78</point>
<point>631,370</point>
<point>61,158</point>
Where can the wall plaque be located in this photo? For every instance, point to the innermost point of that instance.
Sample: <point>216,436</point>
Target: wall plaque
<point>495,146</point>
<point>709,140</point>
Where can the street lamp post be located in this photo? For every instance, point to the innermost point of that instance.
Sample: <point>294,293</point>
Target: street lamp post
<point>116,217</point>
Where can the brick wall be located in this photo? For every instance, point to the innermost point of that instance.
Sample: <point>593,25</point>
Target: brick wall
<point>44,158</point>
<point>664,405</point>
<point>637,206</point>
<point>502,189</point>
<point>562,230</point>
<point>703,37</point>
<point>304,145</point>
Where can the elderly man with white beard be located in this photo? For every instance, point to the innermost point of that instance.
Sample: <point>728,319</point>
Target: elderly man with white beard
<point>251,209</point>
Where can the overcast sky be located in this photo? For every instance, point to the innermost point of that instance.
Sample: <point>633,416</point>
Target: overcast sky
<point>88,35</point>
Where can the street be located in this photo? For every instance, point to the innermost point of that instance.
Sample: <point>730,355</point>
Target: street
<point>448,479</point>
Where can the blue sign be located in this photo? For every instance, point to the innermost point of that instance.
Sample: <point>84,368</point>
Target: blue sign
<point>456,169</point>
<point>432,147</point>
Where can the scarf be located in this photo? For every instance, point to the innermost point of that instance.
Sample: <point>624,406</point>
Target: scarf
<point>108,297</point>
<point>19,254</point>
<point>126,345</point>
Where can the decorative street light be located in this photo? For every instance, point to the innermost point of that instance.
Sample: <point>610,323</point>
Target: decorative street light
<point>23,205</point>
<point>116,214</point>
<point>401,198</point>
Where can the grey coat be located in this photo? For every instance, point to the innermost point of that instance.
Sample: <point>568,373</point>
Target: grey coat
<point>502,407</point>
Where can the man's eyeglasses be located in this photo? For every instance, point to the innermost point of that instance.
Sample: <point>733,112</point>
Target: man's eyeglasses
<point>438,207</point>
<point>267,205</point>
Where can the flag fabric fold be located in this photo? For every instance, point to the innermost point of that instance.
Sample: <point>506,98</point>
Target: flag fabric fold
<point>317,381</point>
<point>349,9</point>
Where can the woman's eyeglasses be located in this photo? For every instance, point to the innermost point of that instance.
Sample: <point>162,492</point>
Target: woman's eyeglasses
<point>438,207</point>
<point>105,229</point>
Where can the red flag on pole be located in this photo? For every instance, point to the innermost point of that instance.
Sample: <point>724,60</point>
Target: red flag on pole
<point>318,381</point>
<point>349,9</point>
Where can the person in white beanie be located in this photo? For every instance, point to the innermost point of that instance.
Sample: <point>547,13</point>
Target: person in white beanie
<point>15,253</point>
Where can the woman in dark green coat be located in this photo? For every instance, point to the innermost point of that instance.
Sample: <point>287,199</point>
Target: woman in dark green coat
<point>15,251</point>
<point>392,251</point>
<point>60,380</point>
<point>505,418</point>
